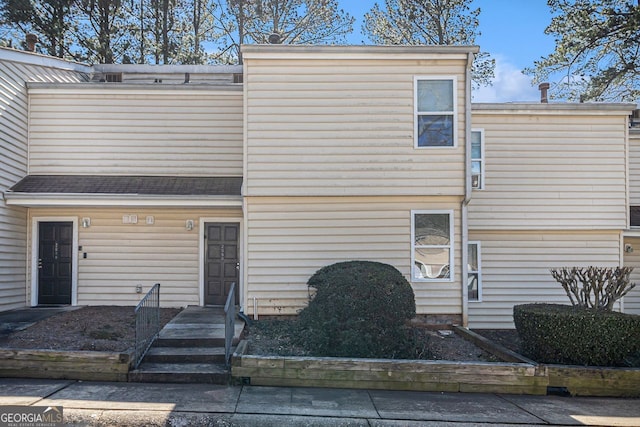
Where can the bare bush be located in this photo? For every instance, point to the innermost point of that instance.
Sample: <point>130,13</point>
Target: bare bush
<point>594,287</point>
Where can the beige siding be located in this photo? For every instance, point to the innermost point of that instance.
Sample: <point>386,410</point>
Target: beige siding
<point>552,170</point>
<point>13,167</point>
<point>136,132</point>
<point>289,239</point>
<point>120,256</point>
<point>634,167</point>
<point>515,269</point>
<point>345,126</point>
<point>632,259</point>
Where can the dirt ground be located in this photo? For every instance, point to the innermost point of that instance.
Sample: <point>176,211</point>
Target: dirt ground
<point>97,328</point>
<point>112,328</point>
<point>272,339</point>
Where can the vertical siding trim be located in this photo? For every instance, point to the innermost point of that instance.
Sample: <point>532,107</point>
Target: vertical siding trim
<point>627,174</point>
<point>34,256</point>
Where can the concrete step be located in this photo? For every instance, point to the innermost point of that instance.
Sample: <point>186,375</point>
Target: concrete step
<point>195,335</point>
<point>185,355</point>
<point>191,342</point>
<point>201,373</point>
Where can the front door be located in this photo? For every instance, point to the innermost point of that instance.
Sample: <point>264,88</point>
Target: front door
<point>221,265</point>
<point>55,246</point>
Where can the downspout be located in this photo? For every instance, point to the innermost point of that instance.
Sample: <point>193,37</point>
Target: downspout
<point>464,213</point>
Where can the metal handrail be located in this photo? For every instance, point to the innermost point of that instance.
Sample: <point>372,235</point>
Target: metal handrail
<point>147,323</point>
<point>229,323</point>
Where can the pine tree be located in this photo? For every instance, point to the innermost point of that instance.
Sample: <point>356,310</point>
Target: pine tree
<point>429,22</point>
<point>597,50</point>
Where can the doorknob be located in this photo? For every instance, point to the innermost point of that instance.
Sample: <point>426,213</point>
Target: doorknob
<point>238,265</point>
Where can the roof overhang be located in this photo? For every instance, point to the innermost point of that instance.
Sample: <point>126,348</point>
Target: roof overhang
<point>594,108</point>
<point>275,51</point>
<point>116,191</point>
<point>33,200</point>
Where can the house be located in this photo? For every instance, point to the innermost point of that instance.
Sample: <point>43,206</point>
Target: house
<point>116,177</point>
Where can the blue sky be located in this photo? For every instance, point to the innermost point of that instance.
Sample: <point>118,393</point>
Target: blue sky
<point>512,32</point>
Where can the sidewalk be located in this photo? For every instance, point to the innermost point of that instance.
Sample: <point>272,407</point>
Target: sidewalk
<point>138,404</point>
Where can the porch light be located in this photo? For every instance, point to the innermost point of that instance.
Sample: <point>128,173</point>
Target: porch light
<point>189,225</point>
<point>86,222</point>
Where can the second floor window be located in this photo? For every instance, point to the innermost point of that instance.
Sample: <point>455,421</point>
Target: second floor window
<point>477,159</point>
<point>435,112</point>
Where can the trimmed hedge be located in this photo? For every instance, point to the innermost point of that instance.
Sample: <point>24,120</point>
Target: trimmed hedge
<point>360,309</point>
<point>562,334</point>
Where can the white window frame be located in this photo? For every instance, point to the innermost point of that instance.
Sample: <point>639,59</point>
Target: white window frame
<point>481,159</point>
<point>453,113</point>
<point>450,246</point>
<point>478,272</point>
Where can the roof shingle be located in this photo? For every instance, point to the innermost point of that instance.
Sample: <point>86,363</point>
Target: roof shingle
<point>132,185</point>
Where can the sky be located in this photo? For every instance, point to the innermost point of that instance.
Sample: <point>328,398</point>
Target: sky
<point>512,32</point>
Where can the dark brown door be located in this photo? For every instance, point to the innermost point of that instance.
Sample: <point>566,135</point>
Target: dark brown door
<point>55,246</point>
<point>221,265</point>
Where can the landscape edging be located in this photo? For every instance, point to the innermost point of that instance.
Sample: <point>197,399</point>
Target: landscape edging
<point>385,374</point>
<point>524,377</point>
<point>55,364</point>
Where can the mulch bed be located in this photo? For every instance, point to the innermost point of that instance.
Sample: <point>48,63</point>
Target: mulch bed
<point>95,328</point>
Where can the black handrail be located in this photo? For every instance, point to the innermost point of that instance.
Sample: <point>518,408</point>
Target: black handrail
<point>147,323</point>
<point>229,323</point>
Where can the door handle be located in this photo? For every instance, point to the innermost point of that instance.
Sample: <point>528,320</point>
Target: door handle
<point>39,262</point>
<point>238,265</point>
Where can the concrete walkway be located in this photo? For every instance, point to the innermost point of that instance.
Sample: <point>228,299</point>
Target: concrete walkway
<point>138,404</point>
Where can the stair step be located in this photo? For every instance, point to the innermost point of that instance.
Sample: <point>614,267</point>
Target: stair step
<point>191,342</point>
<point>185,355</point>
<point>202,373</point>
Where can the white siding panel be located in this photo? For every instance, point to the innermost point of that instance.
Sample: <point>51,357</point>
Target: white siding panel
<point>345,127</point>
<point>515,269</point>
<point>120,256</point>
<point>13,167</point>
<point>632,299</point>
<point>184,133</point>
<point>289,239</point>
<point>551,171</point>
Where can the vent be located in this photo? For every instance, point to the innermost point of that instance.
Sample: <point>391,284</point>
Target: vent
<point>238,78</point>
<point>113,77</point>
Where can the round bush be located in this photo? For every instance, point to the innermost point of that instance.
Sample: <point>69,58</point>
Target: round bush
<point>360,309</point>
<point>553,333</point>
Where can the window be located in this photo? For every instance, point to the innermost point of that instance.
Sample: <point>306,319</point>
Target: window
<point>634,214</point>
<point>477,159</point>
<point>435,112</point>
<point>474,280</point>
<point>432,240</point>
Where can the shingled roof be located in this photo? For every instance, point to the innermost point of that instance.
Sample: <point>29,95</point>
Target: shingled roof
<point>129,185</point>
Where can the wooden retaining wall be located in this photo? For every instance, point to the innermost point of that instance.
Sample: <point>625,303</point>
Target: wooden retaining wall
<point>381,374</point>
<point>429,375</point>
<point>77,365</point>
<point>594,381</point>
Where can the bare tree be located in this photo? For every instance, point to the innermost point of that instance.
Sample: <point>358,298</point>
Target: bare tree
<point>290,21</point>
<point>429,22</point>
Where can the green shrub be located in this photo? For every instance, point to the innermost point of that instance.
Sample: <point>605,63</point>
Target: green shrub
<point>553,333</point>
<point>360,309</point>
